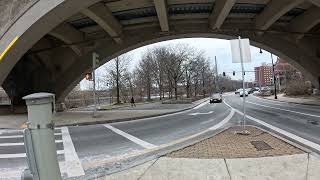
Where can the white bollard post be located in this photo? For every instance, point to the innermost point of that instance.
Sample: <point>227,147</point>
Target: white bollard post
<point>39,138</point>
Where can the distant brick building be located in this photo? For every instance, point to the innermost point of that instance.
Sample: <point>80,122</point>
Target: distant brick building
<point>263,75</point>
<point>285,72</point>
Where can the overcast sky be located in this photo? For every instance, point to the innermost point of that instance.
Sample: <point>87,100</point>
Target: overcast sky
<point>212,47</point>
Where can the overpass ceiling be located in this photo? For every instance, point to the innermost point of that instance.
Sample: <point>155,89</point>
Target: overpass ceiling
<point>143,11</point>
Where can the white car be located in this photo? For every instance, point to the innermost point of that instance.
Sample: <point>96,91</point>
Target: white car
<point>245,92</point>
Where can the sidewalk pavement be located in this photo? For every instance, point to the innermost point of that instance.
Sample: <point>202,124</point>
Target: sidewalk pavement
<point>293,167</point>
<point>71,118</point>
<point>309,100</point>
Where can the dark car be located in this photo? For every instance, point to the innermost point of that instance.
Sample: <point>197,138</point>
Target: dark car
<point>216,98</point>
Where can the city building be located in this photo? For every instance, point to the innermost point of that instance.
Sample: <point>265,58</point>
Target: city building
<point>263,75</point>
<point>285,72</point>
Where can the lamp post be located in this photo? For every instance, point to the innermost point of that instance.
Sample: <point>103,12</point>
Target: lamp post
<point>274,79</point>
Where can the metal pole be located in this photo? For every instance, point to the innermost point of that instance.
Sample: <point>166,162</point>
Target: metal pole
<point>216,79</point>
<point>243,87</point>
<point>39,138</point>
<point>274,79</point>
<point>260,77</point>
<point>94,60</point>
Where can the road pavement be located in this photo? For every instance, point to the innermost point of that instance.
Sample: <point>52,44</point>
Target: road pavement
<point>109,141</point>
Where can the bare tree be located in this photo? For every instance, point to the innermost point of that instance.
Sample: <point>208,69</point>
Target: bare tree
<point>144,69</point>
<point>116,71</point>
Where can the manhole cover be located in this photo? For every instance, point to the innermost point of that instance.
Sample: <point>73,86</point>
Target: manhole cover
<point>261,145</point>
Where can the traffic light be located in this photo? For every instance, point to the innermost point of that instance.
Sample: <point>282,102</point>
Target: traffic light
<point>233,73</point>
<point>244,73</point>
<point>224,74</point>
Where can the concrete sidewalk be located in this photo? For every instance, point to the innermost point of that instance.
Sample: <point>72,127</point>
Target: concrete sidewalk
<point>294,167</point>
<point>310,100</point>
<point>71,118</point>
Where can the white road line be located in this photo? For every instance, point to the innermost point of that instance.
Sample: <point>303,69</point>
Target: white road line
<point>20,143</point>
<point>224,121</point>
<point>21,136</point>
<point>10,131</point>
<point>199,113</point>
<point>306,114</point>
<point>72,161</point>
<point>21,155</point>
<point>281,131</point>
<point>200,105</point>
<point>131,138</point>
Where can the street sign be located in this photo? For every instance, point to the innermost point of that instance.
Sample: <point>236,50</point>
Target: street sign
<point>245,50</point>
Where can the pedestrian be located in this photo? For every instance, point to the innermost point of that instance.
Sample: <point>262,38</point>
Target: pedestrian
<point>132,102</point>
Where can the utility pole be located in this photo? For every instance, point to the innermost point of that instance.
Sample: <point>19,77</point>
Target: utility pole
<point>117,80</point>
<point>274,79</point>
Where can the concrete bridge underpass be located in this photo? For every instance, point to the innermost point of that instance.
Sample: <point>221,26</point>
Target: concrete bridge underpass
<point>47,45</point>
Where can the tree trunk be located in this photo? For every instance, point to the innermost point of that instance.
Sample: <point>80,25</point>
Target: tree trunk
<point>175,89</point>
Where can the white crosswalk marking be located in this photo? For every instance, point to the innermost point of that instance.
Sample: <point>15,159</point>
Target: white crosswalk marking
<point>21,136</point>
<point>72,161</point>
<point>131,138</point>
<point>21,155</point>
<point>20,143</point>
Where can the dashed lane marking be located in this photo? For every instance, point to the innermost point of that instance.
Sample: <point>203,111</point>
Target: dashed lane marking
<point>72,161</point>
<point>131,138</point>
<point>199,113</point>
<point>306,114</point>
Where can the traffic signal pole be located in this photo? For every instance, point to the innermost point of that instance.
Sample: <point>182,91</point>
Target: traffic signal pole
<point>95,59</point>
<point>216,79</point>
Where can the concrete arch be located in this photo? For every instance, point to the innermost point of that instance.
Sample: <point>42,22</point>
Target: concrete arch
<point>36,22</point>
<point>67,63</point>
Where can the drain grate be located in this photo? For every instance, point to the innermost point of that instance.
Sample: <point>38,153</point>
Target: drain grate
<point>261,145</point>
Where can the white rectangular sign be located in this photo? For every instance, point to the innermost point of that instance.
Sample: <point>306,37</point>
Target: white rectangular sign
<point>245,49</point>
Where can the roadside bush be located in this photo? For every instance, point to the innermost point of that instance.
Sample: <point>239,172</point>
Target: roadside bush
<point>296,88</point>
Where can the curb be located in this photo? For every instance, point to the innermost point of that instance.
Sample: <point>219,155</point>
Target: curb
<point>287,101</point>
<point>131,118</point>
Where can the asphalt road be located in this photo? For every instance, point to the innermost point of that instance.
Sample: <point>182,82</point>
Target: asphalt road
<point>102,142</point>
